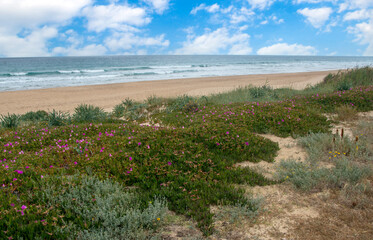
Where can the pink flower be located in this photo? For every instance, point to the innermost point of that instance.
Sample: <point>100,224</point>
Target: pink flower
<point>227,132</point>
<point>14,179</point>
<point>130,158</point>
<point>169,163</point>
<point>23,207</point>
<point>42,176</point>
<point>139,143</point>
<point>75,163</point>
<point>50,166</point>
<point>12,204</point>
<point>247,144</point>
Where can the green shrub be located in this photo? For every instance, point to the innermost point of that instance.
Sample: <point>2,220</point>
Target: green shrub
<point>57,118</point>
<point>10,120</point>
<point>180,102</point>
<point>101,209</point>
<point>34,116</point>
<point>88,113</point>
<point>347,171</point>
<point>306,177</point>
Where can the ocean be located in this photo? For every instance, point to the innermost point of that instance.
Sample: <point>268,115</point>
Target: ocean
<point>50,72</point>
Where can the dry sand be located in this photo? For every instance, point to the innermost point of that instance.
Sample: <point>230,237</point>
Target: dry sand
<point>109,95</point>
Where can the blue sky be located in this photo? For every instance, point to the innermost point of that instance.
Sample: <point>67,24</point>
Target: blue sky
<point>30,28</point>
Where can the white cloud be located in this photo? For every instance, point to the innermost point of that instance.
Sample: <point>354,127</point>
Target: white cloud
<point>317,16</point>
<point>220,41</point>
<point>356,4</point>
<point>18,14</point>
<point>211,9</point>
<point>159,5</point>
<point>32,45</point>
<point>364,35</point>
<point>276,20</point>
<point>314,1</point>
<point>260,4</point>
<point>286,49</point>
<point>27,25</point>
<point>127,41</point>
<point>90,50</point>
<point>114,16</point>
<point>242,15</point>
<point>264,22</point>
<point>358,15</point>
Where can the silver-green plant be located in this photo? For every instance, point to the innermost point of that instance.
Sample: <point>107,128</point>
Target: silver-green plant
<point>110,211</point>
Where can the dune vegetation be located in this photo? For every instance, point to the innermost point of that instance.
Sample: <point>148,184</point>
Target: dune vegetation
<point>98,175</point>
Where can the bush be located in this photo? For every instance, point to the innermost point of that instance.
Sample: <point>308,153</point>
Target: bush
<point>57,118</point>
<point>101,209</point>
<point>306,177</point>
<point>10,121</point>
<point>88,113</point>
<point>180,103</point>
<point>34,116</point>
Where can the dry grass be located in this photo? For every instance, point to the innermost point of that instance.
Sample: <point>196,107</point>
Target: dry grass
<point>346,113</point>
<point>338,221</point>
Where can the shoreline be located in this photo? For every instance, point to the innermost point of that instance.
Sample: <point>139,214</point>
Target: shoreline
<point>107,96</point>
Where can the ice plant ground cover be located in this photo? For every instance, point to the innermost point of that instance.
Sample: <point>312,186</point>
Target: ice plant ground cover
<point>109,178</point>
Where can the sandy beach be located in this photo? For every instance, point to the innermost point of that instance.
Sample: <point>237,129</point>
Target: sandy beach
<point>107,96</point>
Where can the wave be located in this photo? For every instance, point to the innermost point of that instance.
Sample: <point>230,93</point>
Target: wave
<point>118,69</point>
<point>184,71</point>
<point>201,65</point>
<point>135,71</point>
<point>140,74</point>
<point>58,72</point>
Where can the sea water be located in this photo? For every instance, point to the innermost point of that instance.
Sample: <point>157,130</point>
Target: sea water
<point>50,72</point>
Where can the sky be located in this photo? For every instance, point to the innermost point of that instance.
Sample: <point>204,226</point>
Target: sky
<point>36,28</point>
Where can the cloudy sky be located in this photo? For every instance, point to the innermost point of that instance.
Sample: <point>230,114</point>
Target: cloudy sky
<point>117,27</point>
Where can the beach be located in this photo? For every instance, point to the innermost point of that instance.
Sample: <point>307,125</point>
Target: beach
<point>108,95</point>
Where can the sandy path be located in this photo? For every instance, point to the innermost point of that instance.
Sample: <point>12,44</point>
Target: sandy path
<point>107,96</point>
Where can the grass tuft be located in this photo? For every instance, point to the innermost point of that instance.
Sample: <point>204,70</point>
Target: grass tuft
<point>346,113</point>
<point>88,113</point>
<point>10,120</point>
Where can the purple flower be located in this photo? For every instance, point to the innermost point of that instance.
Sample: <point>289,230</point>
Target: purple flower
<point>169,163</point>
<point>247,144</point>
<point>139,143</point>
<point>130,158</point>
<point>227,132</point>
